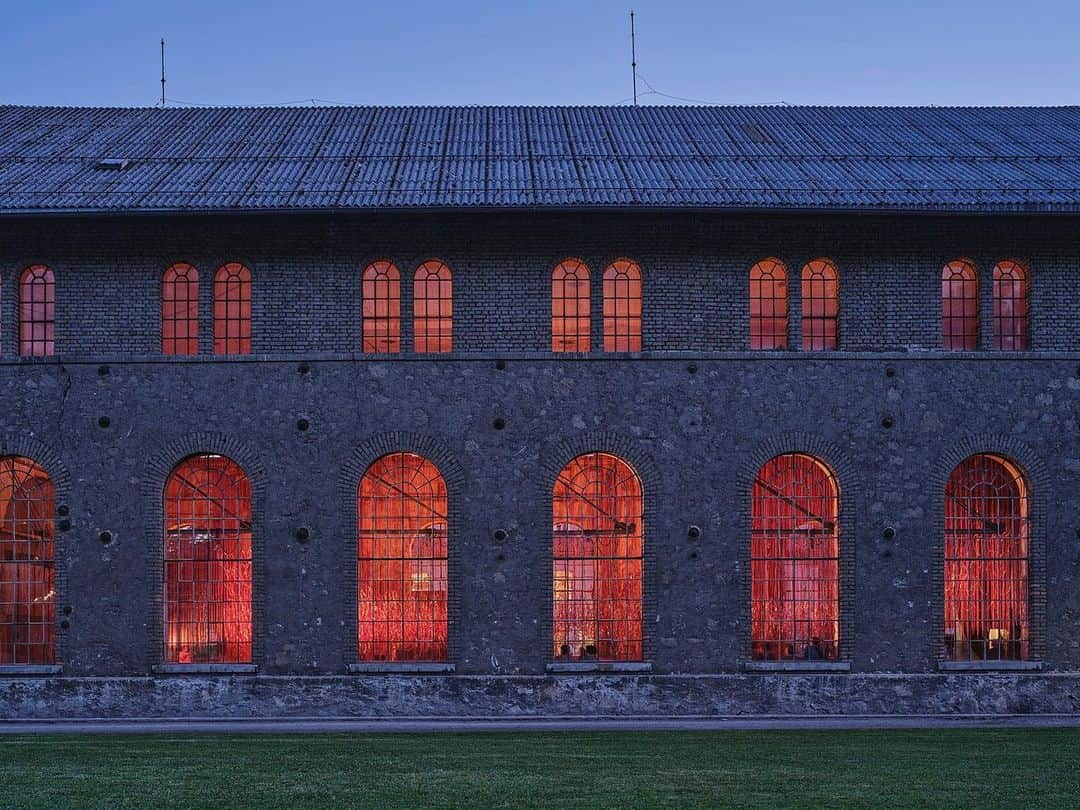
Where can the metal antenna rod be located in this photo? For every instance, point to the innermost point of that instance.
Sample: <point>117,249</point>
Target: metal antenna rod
<point>633,55</point>
<point>163,71</point>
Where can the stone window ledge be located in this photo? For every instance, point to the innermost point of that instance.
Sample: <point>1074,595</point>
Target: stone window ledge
<point>18,670</point>
<point>989,666</point>
<point>402,668</point>
<point>797,666</point>
<point>205,669</point>
<point>618,667</point>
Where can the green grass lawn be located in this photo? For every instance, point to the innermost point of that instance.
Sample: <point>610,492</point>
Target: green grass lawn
<point>604,769</point>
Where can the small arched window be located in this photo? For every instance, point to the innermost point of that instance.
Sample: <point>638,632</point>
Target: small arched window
<point>570,324</point>
<point>180,310</point>
<point>232,309</point>
<point>795,560</point>
<point>959,306</point>
<point>207,562</point>
<point>622,307</point>
<point>768,305</point>
<point>987,535</point>
<point>598,548</point>
<point>27,556</point>
<point>402,561</point>
<point>433,308</point>
<point>37,311</point>
<point>1011,288</point>
<point>381,296</point>
<point>820,305</point>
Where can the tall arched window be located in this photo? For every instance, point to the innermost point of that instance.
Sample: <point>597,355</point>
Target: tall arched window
<point>622,307</point>
<point>570,324</point>
<point>232,309</point>
<point>180,310</point>
<point>26,563</point>
<point>381,296</point>
<point>959,306</point>
<point>598,547</point>
<point>820,305</point>
<point>1011,286</point>
<point>37,311</point>
<point>987,536</point>
<point>401,569</point>
<point>433,308</point>
<point>768,305</point>
<point>795,560</point>
<point>207,562</point>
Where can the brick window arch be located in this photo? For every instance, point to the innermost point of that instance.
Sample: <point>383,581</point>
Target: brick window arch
<point>959,306</point>
<point>570,307</point>
<point>27,559</point>
<point>598,560</point>
<point>37,311</point>
<point>180,309</point>
<point>1011,288</point>
<point>433,307</point>
<point>402,558</point>
<point>207,562</point>
<point>622,307</point>
<point>381,296</point>
<point>232,309</point>
<point>795,560</point>
<point>768,305</point>
<point>820,305</point>
<point>987,539</point>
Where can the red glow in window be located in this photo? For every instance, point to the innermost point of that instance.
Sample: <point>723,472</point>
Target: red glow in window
<point>26,563</point>
<point>986,561</point>
<point>959,306</point>
<point>1010,306</point>
<point>570,324</point>
<point>795,560</point>
<point>622,307</point>
<point>232,310</point>
<point>208,562</point>
<point>433,308</point>
<point>381,296</point>
<point>598,543</point>
<point>402,561</point>
<point>768,305</point>
<point>820,305</point>
<point>180,310</point>
<point>37,311</point>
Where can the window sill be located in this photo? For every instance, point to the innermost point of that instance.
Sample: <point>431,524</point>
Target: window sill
<point>19,670</point>
<point>618,667</point>
<point>402,668</point>
<point>989,666</point>
<point>205,669</point>
<point>797,666</point>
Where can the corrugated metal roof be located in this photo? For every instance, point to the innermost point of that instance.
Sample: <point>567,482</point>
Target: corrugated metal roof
<point>948,159</point>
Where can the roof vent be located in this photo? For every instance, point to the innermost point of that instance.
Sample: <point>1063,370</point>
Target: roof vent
<point>755,133</point>
<point>115,164</point>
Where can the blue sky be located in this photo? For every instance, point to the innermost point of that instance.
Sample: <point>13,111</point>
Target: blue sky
<point>555,52</point>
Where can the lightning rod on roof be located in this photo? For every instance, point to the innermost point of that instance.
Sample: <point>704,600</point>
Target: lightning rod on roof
<point>163,71</point>
<point>633,55</point>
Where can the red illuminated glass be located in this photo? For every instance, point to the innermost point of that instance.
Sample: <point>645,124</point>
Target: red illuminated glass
<point>570,324</point>
<point>794,560</point>
<point>208,562</point>
<point>987,531</point>
<point>381,296</point>
<point>1011,287</point>
<point>402,561</point>
<point>622,307</point>
<point>232,309</point>
<point>959,306</point>
<point>820,305</point>
<point>598,543</point>
<point>37,311</point>
<point>768,305</point>
<point>433,308</point>
<point>180,310</point>
<point>26,563</point>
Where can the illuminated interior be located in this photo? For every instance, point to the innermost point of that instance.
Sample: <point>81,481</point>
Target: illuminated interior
<point>37,311</point>
<point>180,310</point>
<point>232,309</point>
<point>820,305</point>
<point>1011,287</point>
<point>570,325</point>
<point>768,305</point>
<point>622,307</point>
<point>381,296</point>
<point>959,306</point>
<point>433,308</point>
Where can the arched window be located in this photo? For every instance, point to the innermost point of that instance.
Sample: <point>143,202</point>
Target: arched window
<point>433,308</point>
<point>598,545</point>
<point>622,307</point>
<point>1010,306</point>
<point>37,311</point>
<point>795,560</point>
<point>26,563</point>
<point>820,305</point>
<point>381,296</point>
<point>570,325</point>
<point>959,306</point>
<point>208,562</point>
<point>401,571</point>
<point>987,532</point>
<point>232,309</point>
<point>768,305</point>
<point>180,310</point>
